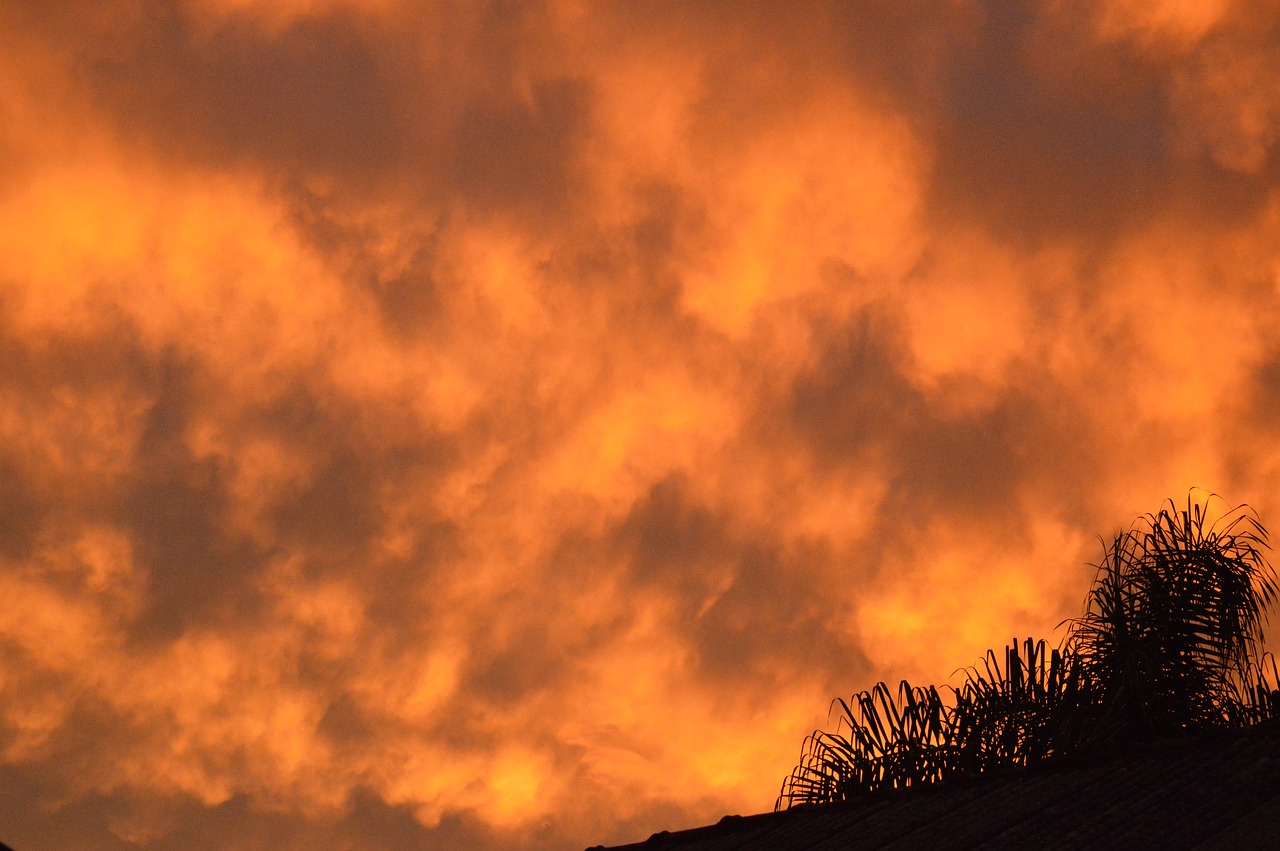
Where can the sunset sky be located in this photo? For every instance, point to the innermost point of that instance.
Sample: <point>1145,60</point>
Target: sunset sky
<point>508,425</point>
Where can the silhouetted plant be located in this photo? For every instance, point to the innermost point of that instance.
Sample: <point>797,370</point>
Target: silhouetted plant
<point>1168,645</point>
<point>891,742</point>
<point>1013,714</point>
<point>1173,624</point>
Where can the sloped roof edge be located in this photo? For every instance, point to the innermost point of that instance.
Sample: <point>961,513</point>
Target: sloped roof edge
<point>1215,791</point>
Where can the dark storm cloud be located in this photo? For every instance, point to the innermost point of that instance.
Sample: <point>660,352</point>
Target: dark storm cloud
<point>746,606</point>
<point>51,373</point>
<point>175,505</point>
<point>23,512</point>
<point>1038,118</point>
<point>61,373</point>
<point>512,154</point>
<point>859,405</point>
<point>337,96</point>
<point>1036,126</point>
<point>410,300</point>
<point>361,455</point>
<point>126,819</point>
<point>772,614</point>
<point>199,572</point>
<point>1048,132</point>
<point>856,398</point>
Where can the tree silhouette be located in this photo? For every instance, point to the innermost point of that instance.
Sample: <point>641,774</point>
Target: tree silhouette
<point>1169,644</point>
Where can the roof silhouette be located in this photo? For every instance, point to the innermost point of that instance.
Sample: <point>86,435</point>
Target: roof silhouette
<point>1215,791</point>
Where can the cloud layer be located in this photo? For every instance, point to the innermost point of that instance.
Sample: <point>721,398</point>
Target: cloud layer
<point>508,425</point>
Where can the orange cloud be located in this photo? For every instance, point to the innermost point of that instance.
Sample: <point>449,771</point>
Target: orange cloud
<point>509,427</point>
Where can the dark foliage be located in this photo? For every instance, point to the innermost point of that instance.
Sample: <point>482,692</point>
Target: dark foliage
<point>1007,715</point>
<point>1169,645</point>
<point>892,741</point>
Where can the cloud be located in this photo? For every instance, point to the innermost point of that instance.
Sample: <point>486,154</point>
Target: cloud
<point>510,426</point>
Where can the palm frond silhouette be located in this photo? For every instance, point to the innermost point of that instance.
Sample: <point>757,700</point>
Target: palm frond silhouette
<point>882,741</point>
<point>1169,644</point>
<point>1007,714</point>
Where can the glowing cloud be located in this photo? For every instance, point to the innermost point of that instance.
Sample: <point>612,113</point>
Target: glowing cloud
<point>508,426</point>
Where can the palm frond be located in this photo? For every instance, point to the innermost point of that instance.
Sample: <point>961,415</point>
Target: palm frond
<point>1258,699</point>
<point>1173,622</point>
<point>1169,644</point>
<point>1016,712</point>
<point>882,741</point>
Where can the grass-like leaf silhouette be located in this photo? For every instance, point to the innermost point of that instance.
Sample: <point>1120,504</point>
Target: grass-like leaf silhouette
<point>1008,714</point>
<point>1173,624</point>
<point>882,741</point>
<point>1169,645</point>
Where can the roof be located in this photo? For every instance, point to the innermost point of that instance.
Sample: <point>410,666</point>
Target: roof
<point>1220,791</point>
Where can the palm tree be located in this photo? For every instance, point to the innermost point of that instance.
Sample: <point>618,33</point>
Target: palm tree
<point>891,742</point>
<point>1169,645</point>
<point>1172,630</point>
<point>1012,714</point>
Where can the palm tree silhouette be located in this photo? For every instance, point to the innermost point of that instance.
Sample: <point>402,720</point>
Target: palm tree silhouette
<point>1169,645</point>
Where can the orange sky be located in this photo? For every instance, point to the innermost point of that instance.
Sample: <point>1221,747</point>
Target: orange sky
<point>508,425</point>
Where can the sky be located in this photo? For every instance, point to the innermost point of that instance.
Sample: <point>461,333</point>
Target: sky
<point>508,425</point>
